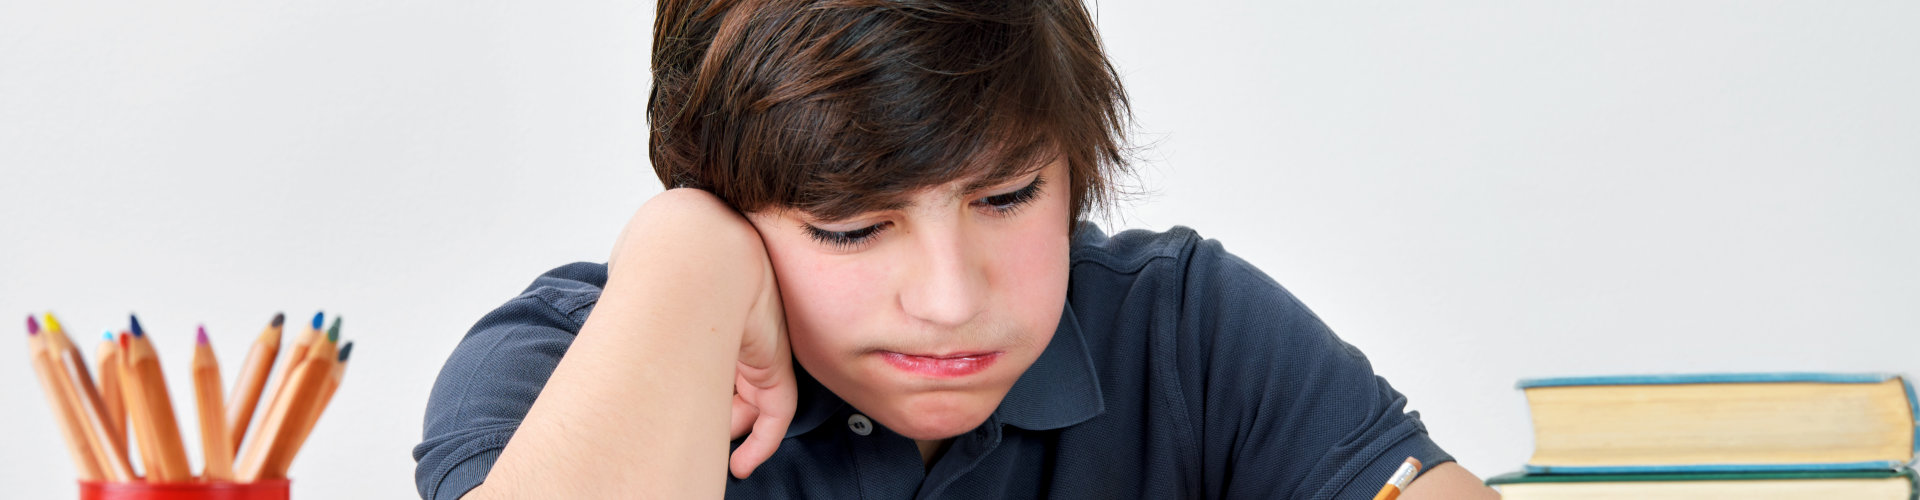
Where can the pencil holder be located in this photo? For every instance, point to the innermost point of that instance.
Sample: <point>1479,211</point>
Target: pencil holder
<point>265,489</point>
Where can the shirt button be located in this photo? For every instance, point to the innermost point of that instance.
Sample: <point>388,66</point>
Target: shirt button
<point>860,424</point>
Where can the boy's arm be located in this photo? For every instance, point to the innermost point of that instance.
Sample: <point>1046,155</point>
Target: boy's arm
<point>1449,481</point>
<point>641,401</point>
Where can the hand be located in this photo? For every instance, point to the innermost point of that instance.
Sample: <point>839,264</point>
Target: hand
<point>765,393</point>
<point>690,308</point>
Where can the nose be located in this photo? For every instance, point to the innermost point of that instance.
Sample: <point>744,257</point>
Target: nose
<point>949,284</point>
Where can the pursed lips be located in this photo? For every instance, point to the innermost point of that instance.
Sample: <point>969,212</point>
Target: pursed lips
<point>952,364</point>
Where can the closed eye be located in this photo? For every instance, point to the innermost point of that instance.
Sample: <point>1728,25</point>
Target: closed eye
<point>1005,204</point>
<point>1008,203</point>
<point>845,239</point>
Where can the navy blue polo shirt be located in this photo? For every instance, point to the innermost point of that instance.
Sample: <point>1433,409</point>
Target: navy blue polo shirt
<point>1177,371</point>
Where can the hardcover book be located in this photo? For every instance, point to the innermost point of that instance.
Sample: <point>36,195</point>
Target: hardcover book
<point>1721,423</point>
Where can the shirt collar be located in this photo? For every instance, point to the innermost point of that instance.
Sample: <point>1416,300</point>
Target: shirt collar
<point>817,404</point>
<point>1059,390</point>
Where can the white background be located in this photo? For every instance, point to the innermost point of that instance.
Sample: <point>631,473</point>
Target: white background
<point>1472,192</point>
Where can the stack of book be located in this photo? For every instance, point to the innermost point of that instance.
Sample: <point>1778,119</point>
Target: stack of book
<point>1748,436</point>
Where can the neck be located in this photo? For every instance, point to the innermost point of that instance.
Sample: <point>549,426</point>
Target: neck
<point>930,450</point>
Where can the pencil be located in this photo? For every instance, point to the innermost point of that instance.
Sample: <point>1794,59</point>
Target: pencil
<point>300,345</point>
<point>327,388</point>
<point>295,355</point>
<point>264,456</point>
<point>1399,480</point>
<point>136,407</point>
<point>252,380</point>
<point>150,390</point>
<point>85,463</point>
<point>110,394</point>
<point>73,376</point>
<point>213,424</point>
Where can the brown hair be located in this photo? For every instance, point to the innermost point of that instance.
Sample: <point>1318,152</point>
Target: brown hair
<point>840,107</point>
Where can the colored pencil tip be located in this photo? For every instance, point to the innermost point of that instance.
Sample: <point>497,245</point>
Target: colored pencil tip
<point>53,324</point>
<point>333,334</point>
<point>317,319</point>
<point>33,327</point>
<point>279,319</point>
<point>202,338</point>
<point>135,321</point>
<point>124,339</point>
<point>107,335</point>
<point>346,350</point>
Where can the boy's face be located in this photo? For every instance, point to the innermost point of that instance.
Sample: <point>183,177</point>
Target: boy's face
<point>923,317</point>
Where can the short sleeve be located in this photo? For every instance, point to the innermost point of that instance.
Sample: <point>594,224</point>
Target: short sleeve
<point>488,384</point>
<point>1291,411</point>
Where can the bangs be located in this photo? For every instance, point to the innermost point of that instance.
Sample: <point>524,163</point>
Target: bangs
<point>846,189</point>
<point>841,108</point>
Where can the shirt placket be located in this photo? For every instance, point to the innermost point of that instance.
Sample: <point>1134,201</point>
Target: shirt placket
<point>966,453</point>
<point>886,465</point>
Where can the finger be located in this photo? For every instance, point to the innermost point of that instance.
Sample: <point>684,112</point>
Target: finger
<point>743,416</point>
<point>768,430</point>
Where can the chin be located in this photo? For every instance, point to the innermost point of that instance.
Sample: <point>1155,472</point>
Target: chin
<point>941,416</point>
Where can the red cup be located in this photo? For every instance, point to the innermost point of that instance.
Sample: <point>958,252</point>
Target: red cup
<point>265,489</point>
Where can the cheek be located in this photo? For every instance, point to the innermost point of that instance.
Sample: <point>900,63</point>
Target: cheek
<point>826,298</point>
<point>1031,273</point>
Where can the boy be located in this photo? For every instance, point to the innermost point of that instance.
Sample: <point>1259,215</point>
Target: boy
<point>869,278</point>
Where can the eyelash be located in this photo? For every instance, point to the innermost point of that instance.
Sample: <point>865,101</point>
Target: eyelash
<point>1005,205</point>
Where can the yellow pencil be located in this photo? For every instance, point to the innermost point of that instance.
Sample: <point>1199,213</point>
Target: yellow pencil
<point>213,424</point>
<point>252,379</point>
<point>1399,480</point>
<point>73,376</point>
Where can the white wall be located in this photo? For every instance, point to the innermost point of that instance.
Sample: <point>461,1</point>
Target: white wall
<point>1472,192</point>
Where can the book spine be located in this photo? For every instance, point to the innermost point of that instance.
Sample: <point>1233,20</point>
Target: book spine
<point>1713,378</point>
<point>1913,410</point>
<point>1881,465</point>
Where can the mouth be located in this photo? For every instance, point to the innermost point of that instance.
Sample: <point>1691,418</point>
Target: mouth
<point>950,365</point>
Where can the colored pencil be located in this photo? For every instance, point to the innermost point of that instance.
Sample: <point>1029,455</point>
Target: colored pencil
<point>252,379</point>
<point>85,463</point>
<point>267,455</point>
<point>295,355</point>
<point>130,407</point>
<point>136,405</point>
<point>74,376</point>
<point>213,418</point>
<point>312,418</point>
<point>110,393</point>
<point>150,389</point>
<point>1399,480</point>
